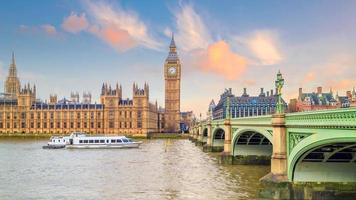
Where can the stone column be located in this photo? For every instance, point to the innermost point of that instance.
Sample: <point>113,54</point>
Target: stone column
<point>200,136</point>
<point>197,132</point>
<point>279,155</point>
<point>227,142</point>
<point>209,141</point>
<point>226,156</point>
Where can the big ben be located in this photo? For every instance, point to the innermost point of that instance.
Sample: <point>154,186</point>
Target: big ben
<point>172,74</point>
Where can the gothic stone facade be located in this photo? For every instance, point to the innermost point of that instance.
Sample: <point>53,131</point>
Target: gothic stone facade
<point>21,112</point>
<point>172,75</point>
<point>245,105</point>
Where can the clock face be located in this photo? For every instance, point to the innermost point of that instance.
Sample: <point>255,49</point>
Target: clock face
<point>172,70</point>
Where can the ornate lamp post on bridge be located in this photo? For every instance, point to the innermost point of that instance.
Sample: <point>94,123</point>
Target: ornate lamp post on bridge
<point>279,141</point>
<point>279,85</point>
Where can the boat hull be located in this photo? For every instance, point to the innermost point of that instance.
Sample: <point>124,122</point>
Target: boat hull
<point>105,146</point>
<point>53,147</point>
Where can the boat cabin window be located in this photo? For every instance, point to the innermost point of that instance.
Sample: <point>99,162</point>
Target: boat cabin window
<point>91,141</point>
<point>102,141</point>
<point>113,141</point>
<point>80,141</point>
<point>129,140</point>
<point>96,141</point>
<point>124,140</point>
<point>107,141</point>
<point>119,141</point>
<point>85,141</point>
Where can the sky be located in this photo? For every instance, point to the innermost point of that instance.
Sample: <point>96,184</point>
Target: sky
<point>64,46</point>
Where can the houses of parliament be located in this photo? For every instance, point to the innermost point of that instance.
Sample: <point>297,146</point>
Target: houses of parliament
<point>22,112</point>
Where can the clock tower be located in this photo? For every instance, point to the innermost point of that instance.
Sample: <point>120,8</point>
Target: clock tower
<point>172,74</point>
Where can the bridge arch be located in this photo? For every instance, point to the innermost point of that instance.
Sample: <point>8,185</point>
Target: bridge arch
<point>324,157</point>
<point>218,136</point>
<point>252,142</point>
<point>205,132</point>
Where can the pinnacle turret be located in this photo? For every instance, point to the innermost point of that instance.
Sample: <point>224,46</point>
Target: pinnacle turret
<point>172,55</point>
<point>172,46</point>
<point>12,83</point>
<point>13,58</point>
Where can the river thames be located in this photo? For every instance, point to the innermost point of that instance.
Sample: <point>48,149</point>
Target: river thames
<point>159,169</point>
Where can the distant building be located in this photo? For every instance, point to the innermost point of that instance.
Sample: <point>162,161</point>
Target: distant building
<point>245,105</point>
<point>186,119</point>
<point>21,112</point>
<point>347,101</point>
<point>209,114</point>
<point>320,100</point>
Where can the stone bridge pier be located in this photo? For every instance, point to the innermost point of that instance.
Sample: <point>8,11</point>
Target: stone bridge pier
<point>226,156</point>
<point>200,138</point>
<point>209,141</point>
<point>279,155</point>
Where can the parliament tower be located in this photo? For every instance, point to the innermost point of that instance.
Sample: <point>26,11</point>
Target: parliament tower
<point>172,74</point>
<point>12,83</point>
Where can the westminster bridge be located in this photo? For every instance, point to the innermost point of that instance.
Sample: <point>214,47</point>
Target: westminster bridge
<point>315,146</point>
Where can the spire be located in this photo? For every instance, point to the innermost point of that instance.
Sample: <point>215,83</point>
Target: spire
<point>12,69</point>
<point>13,58</point>
<point>172,46</point>
<point>172,55</point>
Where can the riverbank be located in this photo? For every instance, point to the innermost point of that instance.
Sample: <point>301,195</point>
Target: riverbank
<point>135,136</point>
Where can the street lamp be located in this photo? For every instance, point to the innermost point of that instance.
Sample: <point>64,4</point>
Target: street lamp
<point>279,85</point>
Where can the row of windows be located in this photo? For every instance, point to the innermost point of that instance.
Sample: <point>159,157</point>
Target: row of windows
<point>219,114</point>
<point>78,115</point>
<point>70,106</point>
<point>124,124</point>
<point>103,141</point>
<point>111,114</point>
<point>52,125</point>
<point>253,105</point>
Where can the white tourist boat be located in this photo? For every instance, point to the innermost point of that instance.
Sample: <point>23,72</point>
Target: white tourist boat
<point>78,140</point>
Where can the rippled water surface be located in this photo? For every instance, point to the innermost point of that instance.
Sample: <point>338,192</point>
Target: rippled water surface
<point>159,169</point>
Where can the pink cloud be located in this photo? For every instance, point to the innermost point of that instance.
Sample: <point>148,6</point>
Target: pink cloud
<point>49,29</point>
<point>219,59</point>
<point>115,37</point>
<point>264,45</point>
<point>249,82</point>
<point>309,77</point>
<point>75,23</point>
<point>115,25</point>
<point>46,29</point>
<point>344,84</point>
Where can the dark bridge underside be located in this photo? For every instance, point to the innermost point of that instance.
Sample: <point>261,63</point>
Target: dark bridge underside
<point>252,148</point>
<point>219,134</point>
<point>329,163</point>
<point>218,140</point>
<point>205,132</point>
<point>252,138</point>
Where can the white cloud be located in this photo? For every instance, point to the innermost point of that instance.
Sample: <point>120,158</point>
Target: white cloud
<point>49,29</point>
<point>264,46</point>
<point>46,29</point>
<point>120,28</point>
<point>192,32</point>
<point>75,23</point>
<point>167,32</point>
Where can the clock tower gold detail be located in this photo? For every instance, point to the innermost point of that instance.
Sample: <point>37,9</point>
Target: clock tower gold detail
<point>172,75</point>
